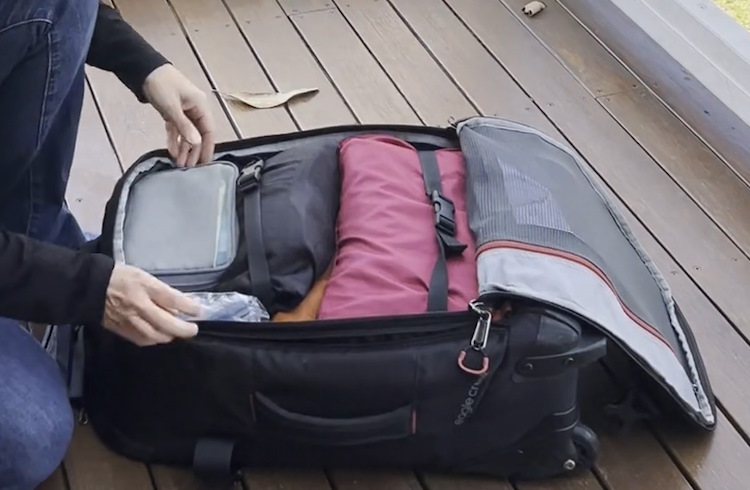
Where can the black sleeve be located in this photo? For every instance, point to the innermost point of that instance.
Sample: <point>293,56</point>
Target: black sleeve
<point>116,47</point>
<point>46,283</point>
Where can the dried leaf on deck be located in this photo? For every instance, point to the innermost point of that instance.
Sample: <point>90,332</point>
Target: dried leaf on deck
<point>267,100</point>
<point>533,8</point>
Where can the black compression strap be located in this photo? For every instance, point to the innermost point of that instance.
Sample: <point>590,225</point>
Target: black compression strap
<point>257,264</point>
<point>212,460</point>
<point>445,231</point>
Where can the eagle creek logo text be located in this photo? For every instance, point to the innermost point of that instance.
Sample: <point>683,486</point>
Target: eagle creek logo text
<point>467,407</point>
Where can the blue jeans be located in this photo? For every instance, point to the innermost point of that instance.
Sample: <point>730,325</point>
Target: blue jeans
<point>44,45</point>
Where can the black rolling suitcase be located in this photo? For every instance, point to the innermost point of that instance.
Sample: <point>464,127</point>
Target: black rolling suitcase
<point>491,390</point>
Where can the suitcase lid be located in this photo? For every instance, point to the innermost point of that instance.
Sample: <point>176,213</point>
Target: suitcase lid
<point>556,238</point>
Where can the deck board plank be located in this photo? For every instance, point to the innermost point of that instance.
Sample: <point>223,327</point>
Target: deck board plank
<point>374,480</point>
<point>713,463</point>
<point>368,91</point>
<point>293,7</point>
<point>288,62</point>
<point>453,482</point>
<point>724,130</point>
<point>171,478</point>
<point>581,481</point>
<point>56,481</point>
<point>95,169</point>
<point>230,63</point>
<point>431,93</point>
<point>482,80</point>
<point>92,466</point>
<point>588,60</point>
<point>288,479</point>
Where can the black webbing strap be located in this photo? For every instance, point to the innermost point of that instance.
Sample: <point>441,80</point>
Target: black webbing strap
<point>445,230</point>
<point>212,460</point>
<point>257,264</point>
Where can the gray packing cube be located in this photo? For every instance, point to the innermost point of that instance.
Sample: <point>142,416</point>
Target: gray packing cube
<point>180,224</point>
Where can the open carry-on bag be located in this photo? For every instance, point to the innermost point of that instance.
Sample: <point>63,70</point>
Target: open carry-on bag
<point>398,297</point>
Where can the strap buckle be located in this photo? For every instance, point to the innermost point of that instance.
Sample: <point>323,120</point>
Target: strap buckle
<point>445,219</point>
<point>250,176</point>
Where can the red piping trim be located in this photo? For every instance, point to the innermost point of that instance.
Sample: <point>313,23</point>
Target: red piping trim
<point>580,261</point>
<point>478,372</point>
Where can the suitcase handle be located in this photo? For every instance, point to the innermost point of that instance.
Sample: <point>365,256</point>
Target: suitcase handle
<point>397,424</point>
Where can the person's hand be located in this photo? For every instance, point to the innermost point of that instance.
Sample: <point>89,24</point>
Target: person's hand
<point>186,112</point>
<point>142,309</point>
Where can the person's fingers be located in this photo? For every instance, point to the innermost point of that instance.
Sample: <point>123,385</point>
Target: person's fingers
<point>167,323</point>
<point>182,153</point>
<point>172,300</point>
<point>193,155</point>
<point>148,332</point>
<point>203,122</point>
<point>128,332</point>
<point>207,148</point>
<point>185,126</point>
<point>173,140</point>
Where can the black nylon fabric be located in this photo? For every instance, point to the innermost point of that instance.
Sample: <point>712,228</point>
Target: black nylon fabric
<point>299,194</point>
<point>375,399</point>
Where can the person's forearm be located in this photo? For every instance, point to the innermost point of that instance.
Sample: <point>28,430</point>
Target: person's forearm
<point>116,47</point>
<point>46,283</point>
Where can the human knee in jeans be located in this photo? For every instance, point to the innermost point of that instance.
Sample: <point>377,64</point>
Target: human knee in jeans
<point>36,421</point>
<point>44,44</point>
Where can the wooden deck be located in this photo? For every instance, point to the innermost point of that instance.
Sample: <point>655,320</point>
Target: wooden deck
<point>425,61</point>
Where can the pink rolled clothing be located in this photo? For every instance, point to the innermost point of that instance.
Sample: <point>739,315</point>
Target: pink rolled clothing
<point>386,241</point>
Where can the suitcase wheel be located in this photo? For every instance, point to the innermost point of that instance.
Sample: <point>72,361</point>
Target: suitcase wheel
<point>587,447</point>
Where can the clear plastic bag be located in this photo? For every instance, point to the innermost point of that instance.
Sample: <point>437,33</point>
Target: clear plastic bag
<point>229,307</point>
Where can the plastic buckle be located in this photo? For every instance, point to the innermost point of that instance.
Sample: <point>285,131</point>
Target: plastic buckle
<point>250,176</point>
<point>445,220</point>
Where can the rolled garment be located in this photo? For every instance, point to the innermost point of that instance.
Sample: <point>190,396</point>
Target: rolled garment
<point>386,240</point>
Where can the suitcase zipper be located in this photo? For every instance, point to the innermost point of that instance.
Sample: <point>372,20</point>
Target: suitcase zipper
<point>426,327</point>
<point>343,328</point>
